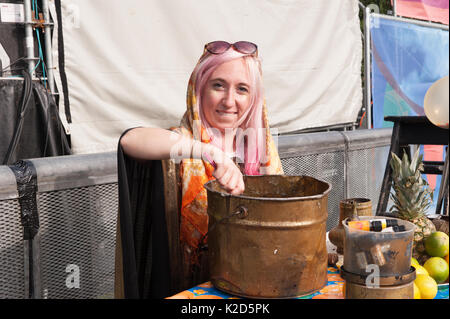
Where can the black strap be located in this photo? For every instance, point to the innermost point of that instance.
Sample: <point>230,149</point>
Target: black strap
<point>25,174</point>
<point>26,180</point>
<point>61,62</point>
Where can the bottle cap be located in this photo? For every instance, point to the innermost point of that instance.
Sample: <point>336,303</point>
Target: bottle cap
<point>399,228</point>
<point>391,222</point>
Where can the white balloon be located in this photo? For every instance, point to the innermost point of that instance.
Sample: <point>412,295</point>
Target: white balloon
<point>436,103</point>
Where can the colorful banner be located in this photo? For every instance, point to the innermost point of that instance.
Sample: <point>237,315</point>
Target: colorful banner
<point>406,60</point>
<point>430,10</point>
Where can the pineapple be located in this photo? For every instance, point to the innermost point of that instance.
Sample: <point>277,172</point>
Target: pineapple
<point>412,197</point>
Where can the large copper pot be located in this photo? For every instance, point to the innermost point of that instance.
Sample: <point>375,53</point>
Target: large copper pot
<point>269,242</point>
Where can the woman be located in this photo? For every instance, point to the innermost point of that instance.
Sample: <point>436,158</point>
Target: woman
<point>223,134</point>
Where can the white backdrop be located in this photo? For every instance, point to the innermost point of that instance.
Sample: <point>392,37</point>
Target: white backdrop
<point>128,62</point>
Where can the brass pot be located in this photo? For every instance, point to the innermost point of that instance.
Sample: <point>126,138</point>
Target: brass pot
<point>348,208</point>
<point>359,286</point>
<point>357,291</point>
<point>269,242</point>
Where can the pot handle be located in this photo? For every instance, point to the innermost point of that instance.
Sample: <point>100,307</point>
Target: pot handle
<point>240,212</point>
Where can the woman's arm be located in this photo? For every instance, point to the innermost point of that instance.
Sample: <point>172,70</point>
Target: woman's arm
<point>146,143</point>
<point>157,144</point>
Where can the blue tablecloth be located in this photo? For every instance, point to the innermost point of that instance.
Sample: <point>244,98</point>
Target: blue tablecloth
<point>333,290</point>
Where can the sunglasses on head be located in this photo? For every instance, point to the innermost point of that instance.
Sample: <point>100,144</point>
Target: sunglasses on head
<point>219,47</point>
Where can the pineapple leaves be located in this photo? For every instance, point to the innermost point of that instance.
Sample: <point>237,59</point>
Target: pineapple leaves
<point>411,193</point>
<point>416,162</point>
<point>405,166</point>
<point>396,164</point>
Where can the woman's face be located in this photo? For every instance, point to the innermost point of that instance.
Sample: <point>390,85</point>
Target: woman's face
<point>226,95</point>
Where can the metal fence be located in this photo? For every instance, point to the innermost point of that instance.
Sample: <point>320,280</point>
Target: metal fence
<point>352,161</point>
<point>77,201</point>
<point>77,205</point>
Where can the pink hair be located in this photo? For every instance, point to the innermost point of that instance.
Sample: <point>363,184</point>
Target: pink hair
<point>253,116</point>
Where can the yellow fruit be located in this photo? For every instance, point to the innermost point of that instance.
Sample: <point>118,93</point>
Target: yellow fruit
<point>427,286</point>
<point>414,262</point>
<point>446,259</point>
<point>416,292</point>
<point>436,245</point>
<point>437,268</point>
<point>420,270</point>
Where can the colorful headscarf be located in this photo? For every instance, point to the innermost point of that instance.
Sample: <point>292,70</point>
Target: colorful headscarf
<point>196,172</point>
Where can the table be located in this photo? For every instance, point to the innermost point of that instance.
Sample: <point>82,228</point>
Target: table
<point>333,290</point>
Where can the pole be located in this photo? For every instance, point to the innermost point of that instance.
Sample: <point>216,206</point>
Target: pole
<point>48,47</point>
<point>367,68</point>
<point>29,40</point>
<point>363,9</point>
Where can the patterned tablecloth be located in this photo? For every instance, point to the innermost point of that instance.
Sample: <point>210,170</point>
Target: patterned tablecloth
<point>333,290</point>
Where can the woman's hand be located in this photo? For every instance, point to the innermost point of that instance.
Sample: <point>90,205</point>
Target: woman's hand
<point>229,177</point>
<point>227,173</point>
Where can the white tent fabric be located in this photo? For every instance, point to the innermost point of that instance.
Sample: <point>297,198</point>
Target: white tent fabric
<point>128,62</point>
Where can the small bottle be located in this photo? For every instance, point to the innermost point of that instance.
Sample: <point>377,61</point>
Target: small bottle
<point>388,223</point>
<point>372,225</point>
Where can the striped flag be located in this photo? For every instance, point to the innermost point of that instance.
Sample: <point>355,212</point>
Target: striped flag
<point>431,10</point>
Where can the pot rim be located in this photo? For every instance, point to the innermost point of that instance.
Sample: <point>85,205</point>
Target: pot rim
<point>276,199</point>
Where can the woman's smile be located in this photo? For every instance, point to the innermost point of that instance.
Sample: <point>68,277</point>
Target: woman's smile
<point>227,113</point>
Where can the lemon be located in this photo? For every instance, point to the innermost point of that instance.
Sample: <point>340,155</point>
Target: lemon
<point>414,262</point>
<point>420,270</point>
<point>437,268</point>
<point>416,292</point>
<point>436,245</point>
<point>427,286</point>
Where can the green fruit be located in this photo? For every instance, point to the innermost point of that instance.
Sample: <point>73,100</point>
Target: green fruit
<point>436,245</point>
